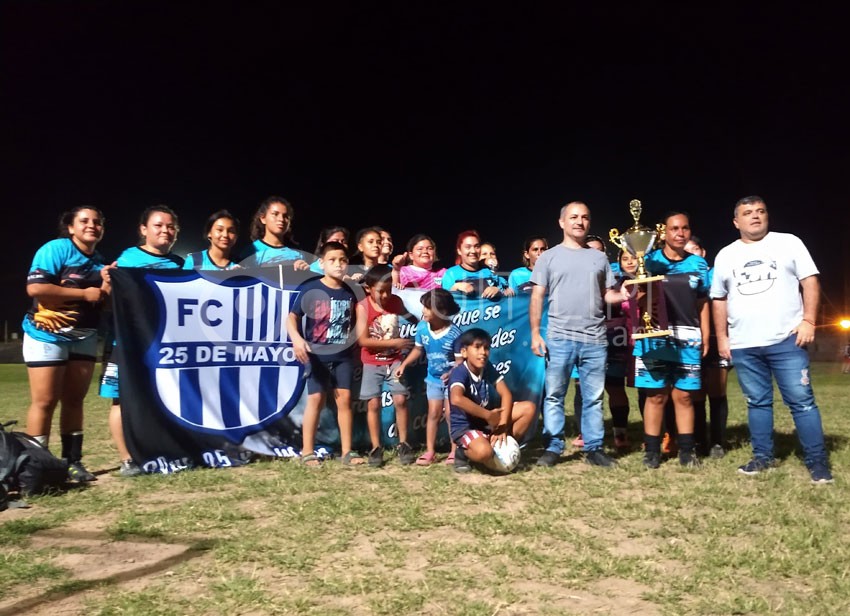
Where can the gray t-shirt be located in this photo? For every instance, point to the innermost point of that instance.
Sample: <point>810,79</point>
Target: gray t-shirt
<point>576,280</point>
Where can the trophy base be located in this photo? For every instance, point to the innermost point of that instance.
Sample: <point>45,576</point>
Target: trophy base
<point>653,334</point>
<point>643,280</point>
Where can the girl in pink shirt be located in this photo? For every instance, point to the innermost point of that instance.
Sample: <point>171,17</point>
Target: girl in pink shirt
<point>415,268</point>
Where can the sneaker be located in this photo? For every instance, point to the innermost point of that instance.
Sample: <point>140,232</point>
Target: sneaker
<point>716,452</point>
<point>689,459</point>
<point>79,473</point>
<point>756,466</point>
<point>548,459</point>
<point>652,459</point>
<point>820,473</point>
<point>621,441</point>
<point>376,457</point>
<point>597,457</point>
<point>129,469</point>
<point>578,441</point>
<point>668,445</point>
<point>461,463</point>
<point>405,454</point>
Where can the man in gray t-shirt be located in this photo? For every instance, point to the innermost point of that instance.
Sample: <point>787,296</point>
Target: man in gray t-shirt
<point>574,282</point>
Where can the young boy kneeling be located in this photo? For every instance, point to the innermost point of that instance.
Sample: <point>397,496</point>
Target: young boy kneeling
<point>475,426</point>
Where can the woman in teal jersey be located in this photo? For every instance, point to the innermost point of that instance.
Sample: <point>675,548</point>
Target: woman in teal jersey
<point>158,229</point>
<point>221,230</point>
<point>271,234</point>
<point>60,330</point>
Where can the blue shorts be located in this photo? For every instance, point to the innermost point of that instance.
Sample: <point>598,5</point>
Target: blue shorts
<point>38,353</point>
<point>109,381</point>
<point>322,376</point>
<point>374,377</point>
<point>433,391</point>
<point>651,373</point>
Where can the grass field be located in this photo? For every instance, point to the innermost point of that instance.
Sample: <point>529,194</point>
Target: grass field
<point>276,538</point>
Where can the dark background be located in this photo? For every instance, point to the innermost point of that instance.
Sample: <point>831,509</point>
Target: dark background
<point>426,118</point>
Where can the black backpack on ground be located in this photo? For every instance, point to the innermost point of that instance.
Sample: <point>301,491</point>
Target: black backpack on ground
<point>26,466</point>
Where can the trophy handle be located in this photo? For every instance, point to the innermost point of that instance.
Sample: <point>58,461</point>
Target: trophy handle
<point>614,236</point>
<point>660,233</point>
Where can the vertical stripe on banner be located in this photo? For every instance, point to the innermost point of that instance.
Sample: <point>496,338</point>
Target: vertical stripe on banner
<point>278,309</point>
<point>264,312</point>
<point>228,386</point>
<point>191,404</point>
<point>235,333</point>
<point>267,404</point>
<point>249,314</point>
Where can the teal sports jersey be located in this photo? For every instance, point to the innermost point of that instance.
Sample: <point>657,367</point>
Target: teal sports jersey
<point>136,256</point>
<point>520,280</point>
<point>685,283</point>
<point>261,254</point>
<point>480,279</point>
<point>62,263</point>
<point>202,261</point>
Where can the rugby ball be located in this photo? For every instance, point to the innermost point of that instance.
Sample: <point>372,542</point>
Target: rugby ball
<point>506,455</point>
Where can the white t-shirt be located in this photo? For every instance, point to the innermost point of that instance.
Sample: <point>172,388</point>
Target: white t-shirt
<point>761,284</point>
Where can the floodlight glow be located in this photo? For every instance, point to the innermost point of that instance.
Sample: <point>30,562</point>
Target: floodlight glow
<point>844,323</point>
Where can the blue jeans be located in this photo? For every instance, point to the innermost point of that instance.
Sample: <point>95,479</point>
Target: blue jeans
<point>789,365</point>
<point>590,360</point>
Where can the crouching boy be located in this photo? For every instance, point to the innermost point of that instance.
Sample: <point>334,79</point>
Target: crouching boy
<point>477,426</point>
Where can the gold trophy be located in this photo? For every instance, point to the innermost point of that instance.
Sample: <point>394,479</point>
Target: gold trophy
<point>639,240</point>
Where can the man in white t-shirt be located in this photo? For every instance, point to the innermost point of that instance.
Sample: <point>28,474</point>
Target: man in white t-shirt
<point>764,324</point>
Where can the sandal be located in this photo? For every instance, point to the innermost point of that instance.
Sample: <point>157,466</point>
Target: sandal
<point>451,458</point>
<point>311,460</point>
<point>426,459</point>
<point>352,458</point>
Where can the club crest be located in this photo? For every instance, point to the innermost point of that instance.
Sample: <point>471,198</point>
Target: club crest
<point>221,360</point>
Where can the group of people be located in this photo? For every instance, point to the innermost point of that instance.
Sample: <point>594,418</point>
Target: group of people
<point>761,323</point>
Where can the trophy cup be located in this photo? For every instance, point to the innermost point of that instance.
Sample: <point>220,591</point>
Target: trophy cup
<point>639,240</point>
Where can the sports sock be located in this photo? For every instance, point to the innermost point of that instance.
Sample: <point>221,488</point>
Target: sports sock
<point>620,416</point>
<point>686,443</point>
<point>719,406</point>
<point>72,446</point>
<point>653,443</point>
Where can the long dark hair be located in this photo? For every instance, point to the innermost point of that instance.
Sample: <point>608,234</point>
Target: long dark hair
<point>258,229</point>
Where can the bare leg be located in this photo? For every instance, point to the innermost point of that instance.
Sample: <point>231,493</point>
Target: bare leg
<point>435,414</point>
<point>116,429</point>
<point>373,420</point>
<point>653,410</point>
<point>345,418</point>
<point>522,415</point>
<point>310,422</point>
<point>45,390</point>
<point>401,416</point>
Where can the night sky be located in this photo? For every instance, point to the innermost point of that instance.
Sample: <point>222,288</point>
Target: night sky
<point>428,118</point>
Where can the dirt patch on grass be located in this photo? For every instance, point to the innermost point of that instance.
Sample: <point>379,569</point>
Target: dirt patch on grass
<point>91,559</point>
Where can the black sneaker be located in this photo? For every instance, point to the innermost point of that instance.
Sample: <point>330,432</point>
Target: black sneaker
<point>689,459</point>
<point>461,463</point>
<point>405,454</point>
<point>820,473</point>
<point>129,469</point>
<point>376,457</point>
<point>79,473</point>
<point>548,459</point>
<point>597,457</point>
<point>716,452</point>
<point>652,459</point>
<point>756,466</point>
